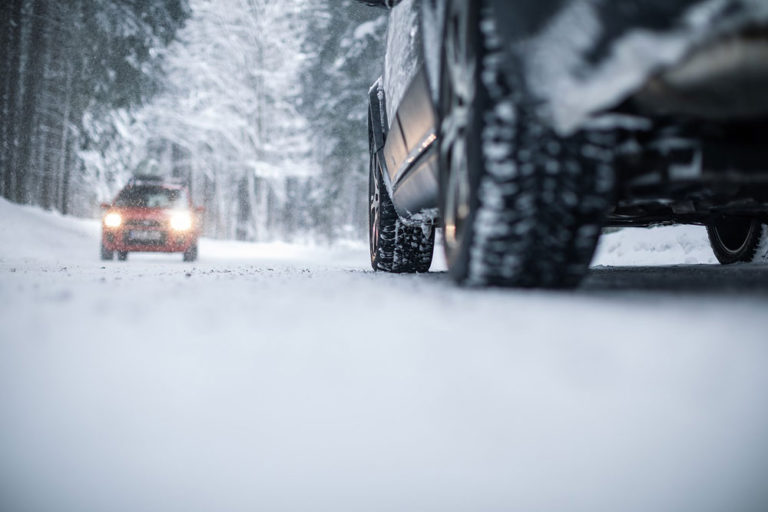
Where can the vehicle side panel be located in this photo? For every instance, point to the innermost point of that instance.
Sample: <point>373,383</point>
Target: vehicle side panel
<point>395,151</point>
<point>415,181</point>
<point>416,193</point>
<point>404,57</point>
<point>416,114</point>
<point>407,154</point>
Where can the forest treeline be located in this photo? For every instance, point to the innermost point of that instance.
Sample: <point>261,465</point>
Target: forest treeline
<point>61,62</point>
<point>259,105</point>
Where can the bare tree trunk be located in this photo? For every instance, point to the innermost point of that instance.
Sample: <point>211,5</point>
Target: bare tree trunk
<point>223,218</point>
<point>33,82</point>
<point>13,56</point>
<point>243,209</point>
<point>5,60</point>
<point>51,122</point>
<point>69,162</point>
<point>253,231</point>
<point>47,169</point>
<point>63,169</point>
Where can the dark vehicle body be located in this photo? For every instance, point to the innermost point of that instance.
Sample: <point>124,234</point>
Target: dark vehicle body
<point>150,215</point>
<point>524,128</point>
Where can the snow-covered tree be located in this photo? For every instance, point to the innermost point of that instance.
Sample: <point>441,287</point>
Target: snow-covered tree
<point>228,113</point>
<point>346,52</point>
<point>259,104</point>
<point>63,63</point>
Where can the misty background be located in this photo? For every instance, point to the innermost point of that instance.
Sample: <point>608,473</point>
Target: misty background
<point>259,105</point>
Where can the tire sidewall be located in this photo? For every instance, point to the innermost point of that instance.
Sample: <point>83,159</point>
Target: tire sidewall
<point>374,237</point>
<point>745,253</point>
<point>536,225</point>
<point>458,256</point>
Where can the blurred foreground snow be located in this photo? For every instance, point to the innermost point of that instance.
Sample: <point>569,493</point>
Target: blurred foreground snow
<point>283,378</point>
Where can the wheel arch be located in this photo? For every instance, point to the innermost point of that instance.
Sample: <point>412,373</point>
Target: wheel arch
<point>378,125</point>
<point>378,129</point>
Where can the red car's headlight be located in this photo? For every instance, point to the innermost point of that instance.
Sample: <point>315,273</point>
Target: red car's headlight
<point>181,221</point>
<point>113,220</point>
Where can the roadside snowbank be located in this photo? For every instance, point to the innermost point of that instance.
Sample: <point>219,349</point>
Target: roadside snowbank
<point>664,245</point>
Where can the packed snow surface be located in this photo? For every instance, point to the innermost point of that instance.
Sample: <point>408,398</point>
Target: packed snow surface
<point>283,378</point>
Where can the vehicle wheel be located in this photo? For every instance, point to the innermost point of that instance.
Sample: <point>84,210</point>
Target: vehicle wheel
<point>191,253</point>
<point>106,254</point>
<point>122,255</point>
<point>394,245</point>
<point>736,239</point>
<point>521,205</point>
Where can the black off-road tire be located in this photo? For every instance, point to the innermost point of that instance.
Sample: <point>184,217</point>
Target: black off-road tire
<point>394,245</point>
<point>191,253</point>
<point>122,255</point>
<point>521,204</point>
<point>737,239</point>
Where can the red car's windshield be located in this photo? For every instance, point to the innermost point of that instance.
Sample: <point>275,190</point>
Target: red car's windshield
<point>148,196</point>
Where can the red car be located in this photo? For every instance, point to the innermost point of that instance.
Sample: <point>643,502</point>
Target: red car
<point>150,215</point>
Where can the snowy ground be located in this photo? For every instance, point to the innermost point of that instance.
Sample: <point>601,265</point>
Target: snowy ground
<point>280,378</point>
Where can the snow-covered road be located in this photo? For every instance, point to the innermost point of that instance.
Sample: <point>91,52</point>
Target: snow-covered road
<point>281,378</point>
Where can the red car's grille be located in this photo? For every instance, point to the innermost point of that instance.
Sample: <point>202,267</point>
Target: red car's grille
<point>149,238</point>
<point>145,223</point>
